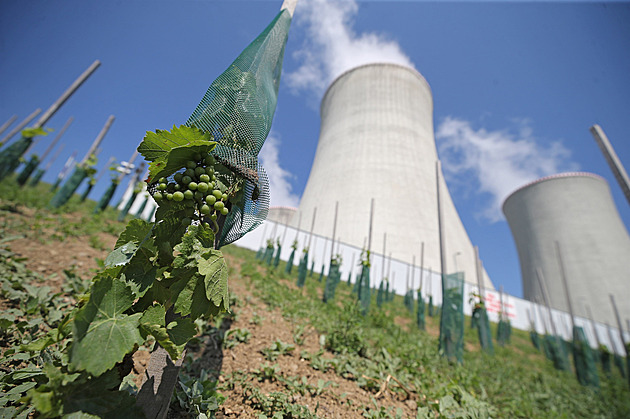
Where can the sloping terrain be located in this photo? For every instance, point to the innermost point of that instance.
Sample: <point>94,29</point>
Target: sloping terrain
<point>281,351</point>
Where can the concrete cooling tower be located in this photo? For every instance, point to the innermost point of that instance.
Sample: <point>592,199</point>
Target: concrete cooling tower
<point>376,141</point>
<point>577,211</point>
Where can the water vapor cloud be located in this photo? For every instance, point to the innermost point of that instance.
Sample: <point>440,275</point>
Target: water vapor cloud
<point>279,178</point>
<point>495,163</point>
<point>332,46</point>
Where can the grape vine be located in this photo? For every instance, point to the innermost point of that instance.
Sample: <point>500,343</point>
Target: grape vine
<point>157,281</point>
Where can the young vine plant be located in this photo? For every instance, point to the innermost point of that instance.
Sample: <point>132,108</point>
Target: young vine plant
<point>160,277</point>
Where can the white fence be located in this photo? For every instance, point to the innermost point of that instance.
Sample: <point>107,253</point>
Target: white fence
<point>521,312</point>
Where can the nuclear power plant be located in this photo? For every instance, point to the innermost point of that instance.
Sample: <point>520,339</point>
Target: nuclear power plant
<point>377,142</point>
<point>577,211</point>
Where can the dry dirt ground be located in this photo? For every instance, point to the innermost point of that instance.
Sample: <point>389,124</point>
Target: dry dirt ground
<point>340,398</point>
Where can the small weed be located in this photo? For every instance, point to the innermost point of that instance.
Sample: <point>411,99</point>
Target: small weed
<point>276,349</point>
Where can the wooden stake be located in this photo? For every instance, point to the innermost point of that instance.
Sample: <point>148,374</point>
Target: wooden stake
<point>66,95</point>
<point>590,317</point>
<point>438,170</point>
<point>20,127</point>
<point>57,138</point>
<point>99,138</point>
<point>332,249</point>
<point>623,342</point>
<point>7,124</point>
<point>543,289</point>
<point>566,285</point>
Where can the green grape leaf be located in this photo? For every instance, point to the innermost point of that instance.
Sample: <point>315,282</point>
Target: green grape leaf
<point>137,231</point>
<point>214,269</point>
<point>169,230</point>
<point>154,315</point>
<point>181,331</point>
<point>168,151</point>
<point>140,273</point>
<point>156,144</point>
<point>183,290</point>
<point>103,334</point>
<point>121,255</point>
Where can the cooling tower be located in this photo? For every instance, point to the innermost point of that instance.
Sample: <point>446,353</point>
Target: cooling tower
<point>577,211</point>
<point>376,141</point>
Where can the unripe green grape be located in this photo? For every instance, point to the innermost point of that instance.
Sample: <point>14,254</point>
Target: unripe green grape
<point>186,179</point>
<point>224,197</point>
<point>191,164</point>
<point>157,196</point>
<point>190,172</point>
<point>178,177</point>
<point>197,156</point>
<point>198,196</point>
<point>211,185</point>
<point>192,186</point>
<point>213,217</point>
<point>209,159</point>
<point>204,178</point>
<point>178,196</point>
<point>177,186</point>
<point>217,194</point>
<point>218,205</point>
<point>202,187</point>
<point>205,209</point>
<point>214,177</point>
<point>210,170</point>
<point>169,196</point>
<point>211,199</point>
<point>188,194</point>
<point>162,186</point>
<point>206,225</point>
<point>224,211</point>
<point>200,171</point>
<point>162,180</point>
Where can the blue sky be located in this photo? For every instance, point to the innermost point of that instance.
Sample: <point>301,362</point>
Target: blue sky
<point>515,85</point>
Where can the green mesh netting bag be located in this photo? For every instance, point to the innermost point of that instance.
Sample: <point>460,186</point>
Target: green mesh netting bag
<point>332,280</point>
<point>237,110</point>
<point>557,353</point>
<point>420,319</point>
<point>483,329</point>
<point>502,332</point>
<point>431,308</point>
<point>28,170</point>
<point>39,173</point>
<point>533,336</point>
<point>276,258</point>
<point>408,300</point>
<point>546,344</point>
<point>583,359</point>
<point>364,288</point>
<point>289,265</point>
<point>380,294</point>
<point>107,196</point>
<point>65,192</point>
<point>10,156</point>
<point>310,273</point>
<point>605,358</point>
<point>302,269</point>
<point>618,360</point>
<point>141,208</point>
<point>452,318</point>
<point>268,255</point>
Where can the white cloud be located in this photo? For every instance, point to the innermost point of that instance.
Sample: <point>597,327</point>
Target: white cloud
<point>499,161</point>
<point>279,179</point>
<point>332,47</point>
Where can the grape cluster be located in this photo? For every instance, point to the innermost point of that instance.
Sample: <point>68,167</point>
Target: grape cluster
<point>198,188</point>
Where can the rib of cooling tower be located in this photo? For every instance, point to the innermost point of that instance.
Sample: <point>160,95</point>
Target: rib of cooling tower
<point>577,211</point>
<point>376,141</point>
